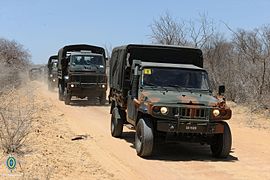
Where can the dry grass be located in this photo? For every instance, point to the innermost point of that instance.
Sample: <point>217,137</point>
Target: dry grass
<point>17,111</point>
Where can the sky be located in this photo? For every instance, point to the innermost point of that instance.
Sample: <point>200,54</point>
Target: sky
<point>44,26</point>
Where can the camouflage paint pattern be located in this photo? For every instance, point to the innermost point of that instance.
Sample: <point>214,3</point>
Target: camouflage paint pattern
<point>174,98</point>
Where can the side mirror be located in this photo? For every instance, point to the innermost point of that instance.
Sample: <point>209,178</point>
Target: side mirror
<point>221,90</point>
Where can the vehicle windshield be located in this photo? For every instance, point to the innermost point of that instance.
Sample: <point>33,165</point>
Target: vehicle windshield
<point>54,65</point>
<point>175,77</point>
<point>85,60</point>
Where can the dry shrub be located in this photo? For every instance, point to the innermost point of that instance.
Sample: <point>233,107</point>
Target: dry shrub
<point>17,112</point>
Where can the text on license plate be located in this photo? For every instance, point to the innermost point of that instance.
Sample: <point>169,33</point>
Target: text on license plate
<point>191,128</point>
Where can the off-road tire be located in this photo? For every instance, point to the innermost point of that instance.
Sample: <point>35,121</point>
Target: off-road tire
<point>222,143</point>
<point>67,97</point>
<point>102,98</point>
<point>60,93</point>
<point>116,123</point>
<point>144,138</point>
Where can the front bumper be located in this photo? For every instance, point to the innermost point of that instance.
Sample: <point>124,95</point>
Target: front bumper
<point>189,127</point>
<point>53,81</point>
<point>86,89</point>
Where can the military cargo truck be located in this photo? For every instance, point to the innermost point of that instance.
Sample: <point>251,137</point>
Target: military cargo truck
<point>35,73</point>
<point>82,73</point>
<point>52,72</point>
<point>163,91</point>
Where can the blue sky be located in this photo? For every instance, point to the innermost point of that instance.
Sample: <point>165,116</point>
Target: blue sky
<point>44,26</point>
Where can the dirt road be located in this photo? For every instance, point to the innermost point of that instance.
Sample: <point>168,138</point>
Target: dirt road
<point>249,159</point>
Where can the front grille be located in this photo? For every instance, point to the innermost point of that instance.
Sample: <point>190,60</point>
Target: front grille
<point>190,113</point>
<point>88,78</point>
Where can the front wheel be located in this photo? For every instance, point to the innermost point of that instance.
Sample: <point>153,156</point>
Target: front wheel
<point>102,98</point>
<point>67,99</point>
<point>60,93</point>
<point>222,143</point>
<point>144,137</point>
<point>67,96</point>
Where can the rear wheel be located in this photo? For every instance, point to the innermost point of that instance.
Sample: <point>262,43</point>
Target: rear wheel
<point>117,123</point>
<point>221,143</point>
<point>144,138</point>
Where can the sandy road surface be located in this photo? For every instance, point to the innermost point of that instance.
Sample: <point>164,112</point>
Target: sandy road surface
<point>250,157</point>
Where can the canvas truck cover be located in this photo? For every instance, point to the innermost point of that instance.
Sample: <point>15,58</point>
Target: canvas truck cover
<point>62,53</point>
<point>149,53</point>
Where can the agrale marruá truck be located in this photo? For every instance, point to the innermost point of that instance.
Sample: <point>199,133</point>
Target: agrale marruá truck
<point>163,91</point>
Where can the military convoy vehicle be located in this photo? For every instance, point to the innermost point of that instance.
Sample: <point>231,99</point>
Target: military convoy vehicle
<point>52,72</point>
<point>35,73</point>
<point>164,92</point>
<point>82,73</point>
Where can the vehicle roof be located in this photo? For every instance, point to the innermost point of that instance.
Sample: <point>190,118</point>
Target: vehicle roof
<point>80,47</point>
<point>85,53</point>
<point>62,53</point>
<point>170,65</point>
<point>154,46</point>
<point>55,57</point>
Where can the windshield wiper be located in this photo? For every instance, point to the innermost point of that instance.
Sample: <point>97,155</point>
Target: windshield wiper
<point>91,64</point>
<point>189,89</point>
<point>179,87</point>
<point>154,86</point>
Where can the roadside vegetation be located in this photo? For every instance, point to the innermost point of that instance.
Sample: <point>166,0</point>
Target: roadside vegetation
<point>240,61</point>
<point>16,108</point>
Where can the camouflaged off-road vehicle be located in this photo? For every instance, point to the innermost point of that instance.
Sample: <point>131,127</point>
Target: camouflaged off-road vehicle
<point>52,72</point>
<point>82,73</point>
<point>163,91</point>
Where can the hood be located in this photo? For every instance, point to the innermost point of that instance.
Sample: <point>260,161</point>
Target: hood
<point>176,97</point>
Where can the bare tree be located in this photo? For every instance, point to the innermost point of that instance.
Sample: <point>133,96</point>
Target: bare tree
<point>167,30</point>
<point>14,60</point>
<point>195,33</point>
<point>201,31</point>
<point>253,55</point>
<point>12,54</point>
<point>242,62</point>
<point>218,60</point>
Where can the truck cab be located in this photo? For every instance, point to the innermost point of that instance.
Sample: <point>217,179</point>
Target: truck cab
<point>169,100</point>
<point>52,72</point>
<point>82,73</point>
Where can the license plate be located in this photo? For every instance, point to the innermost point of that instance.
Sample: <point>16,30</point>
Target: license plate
<point>191,128</point>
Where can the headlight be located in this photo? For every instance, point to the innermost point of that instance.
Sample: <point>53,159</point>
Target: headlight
<point>53,80</point>
<point>164,110</point>
<point>51,75</point>
<point>66,77</point>
<point>72,85</point>
<point>216,112</point>
<point>103,86</point>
